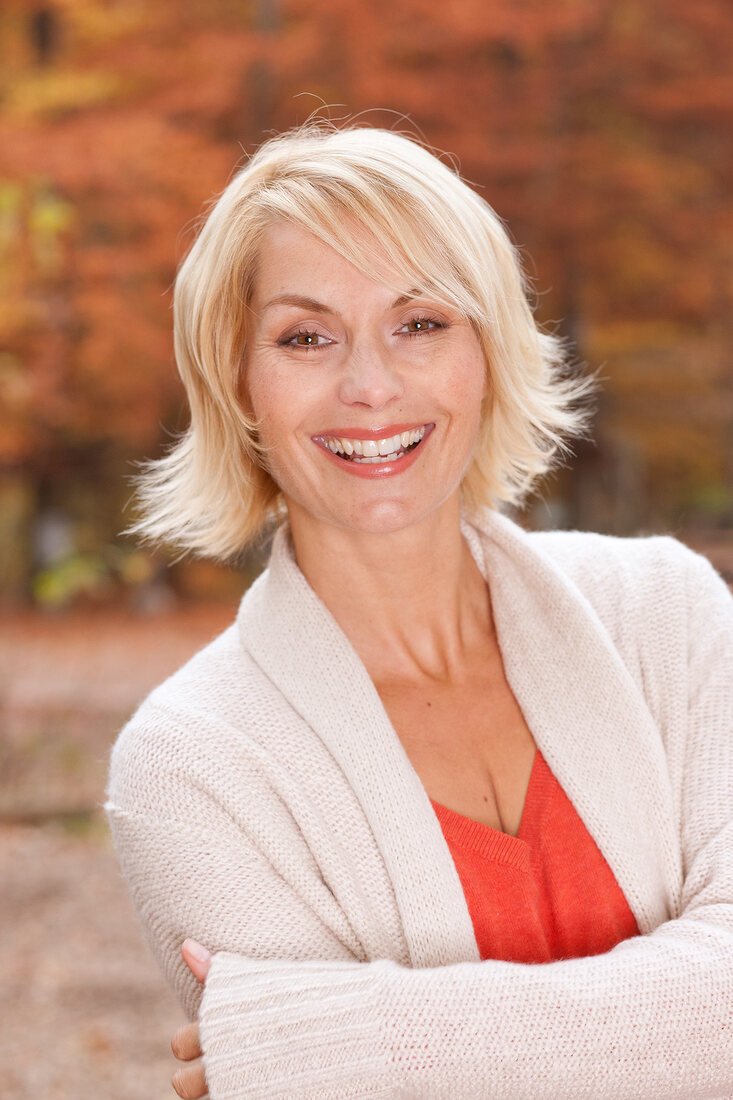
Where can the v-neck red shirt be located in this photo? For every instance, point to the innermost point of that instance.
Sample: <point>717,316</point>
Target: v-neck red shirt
<point>545,894</point>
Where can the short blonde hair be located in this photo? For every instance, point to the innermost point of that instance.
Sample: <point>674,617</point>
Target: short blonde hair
<point>211,493</point>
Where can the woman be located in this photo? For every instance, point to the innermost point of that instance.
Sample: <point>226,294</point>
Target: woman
<point>449,807</point>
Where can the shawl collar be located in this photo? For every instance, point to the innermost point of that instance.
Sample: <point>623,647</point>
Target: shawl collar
<point>587,715</point>
<point>298,644</point>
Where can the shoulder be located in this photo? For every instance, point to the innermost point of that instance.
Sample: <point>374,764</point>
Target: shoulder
<point>654,595</point>
<point>606,568</point>
<point>192,722</point>
<point>636,586</point>
<point>583,553</point>
<point>593,562</point>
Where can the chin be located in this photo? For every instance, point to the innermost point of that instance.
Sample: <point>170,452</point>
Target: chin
<point>386,517</point>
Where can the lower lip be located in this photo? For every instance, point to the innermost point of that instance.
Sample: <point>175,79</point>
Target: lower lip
<point>374,471</point>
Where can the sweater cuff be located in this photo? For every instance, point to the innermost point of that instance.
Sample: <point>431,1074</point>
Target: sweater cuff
<point>273,1028</point>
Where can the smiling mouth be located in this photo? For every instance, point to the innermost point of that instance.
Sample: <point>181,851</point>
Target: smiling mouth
<point>374,451</point>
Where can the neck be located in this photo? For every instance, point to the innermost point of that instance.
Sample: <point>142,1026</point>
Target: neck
<point>412,602</point>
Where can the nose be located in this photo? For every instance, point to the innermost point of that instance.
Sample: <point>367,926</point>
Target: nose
<point>370,378</point>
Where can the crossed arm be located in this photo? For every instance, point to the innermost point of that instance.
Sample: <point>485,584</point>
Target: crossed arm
<point>687,1053</point>
<point>652,1018</point>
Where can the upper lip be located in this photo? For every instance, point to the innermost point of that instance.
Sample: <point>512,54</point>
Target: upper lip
<point>371,433</point>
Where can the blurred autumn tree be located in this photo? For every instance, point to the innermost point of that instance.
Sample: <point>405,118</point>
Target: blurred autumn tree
<point>599,130</point>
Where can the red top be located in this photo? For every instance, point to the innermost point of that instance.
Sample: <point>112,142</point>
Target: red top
<point>545,894</point>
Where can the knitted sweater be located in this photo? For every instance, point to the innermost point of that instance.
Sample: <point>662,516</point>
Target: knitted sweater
<point>262,803</point>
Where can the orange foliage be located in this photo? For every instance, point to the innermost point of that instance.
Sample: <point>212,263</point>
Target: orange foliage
<point>599,131</point>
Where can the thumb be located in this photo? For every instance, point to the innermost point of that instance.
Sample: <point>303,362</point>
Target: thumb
<point>196,958</point>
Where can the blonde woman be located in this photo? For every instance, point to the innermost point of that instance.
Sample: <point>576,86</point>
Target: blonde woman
<point>448,811</point>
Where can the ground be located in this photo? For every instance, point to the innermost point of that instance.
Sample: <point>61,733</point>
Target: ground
<point>86,1014</point>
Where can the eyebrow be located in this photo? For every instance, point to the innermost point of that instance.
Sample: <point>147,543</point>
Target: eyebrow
<point>405,298</point>
<point>296,300</point>
<point>303,302</point>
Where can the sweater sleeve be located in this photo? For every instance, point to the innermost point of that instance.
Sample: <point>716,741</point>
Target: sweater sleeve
<point>652,1018</point>
<point>246,883</point>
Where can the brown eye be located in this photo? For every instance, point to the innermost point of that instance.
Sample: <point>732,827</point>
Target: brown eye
<point>418,325</point>
<point>304,339</point>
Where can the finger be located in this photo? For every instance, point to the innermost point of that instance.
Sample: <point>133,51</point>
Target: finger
<point>196,958</point>
<point>185,1043</point>
<point>190,1083</point>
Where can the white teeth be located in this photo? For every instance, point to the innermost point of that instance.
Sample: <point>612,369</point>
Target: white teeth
<point>375,450</point>
<point>379,458</point>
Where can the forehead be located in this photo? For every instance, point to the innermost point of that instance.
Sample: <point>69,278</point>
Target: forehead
<point>292,259</point>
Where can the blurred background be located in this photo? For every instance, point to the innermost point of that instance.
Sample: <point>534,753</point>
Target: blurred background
<point>600,130</point>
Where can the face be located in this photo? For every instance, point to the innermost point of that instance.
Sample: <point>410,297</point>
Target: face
<point>368,401</point>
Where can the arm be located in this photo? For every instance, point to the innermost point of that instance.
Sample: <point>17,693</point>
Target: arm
<point>192,871</point>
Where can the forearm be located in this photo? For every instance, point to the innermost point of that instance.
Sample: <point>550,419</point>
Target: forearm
<point>653,1018</point>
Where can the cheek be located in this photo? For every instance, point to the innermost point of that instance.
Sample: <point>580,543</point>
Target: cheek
<point>481,373</point>
<point>278,405</point>
<point>482,390</point>
<point>472,388</point>
<point>477,378</point>
<point>485,380</point>
<point>244,389</point>
<point>262,395</point>
<point>259,402</point>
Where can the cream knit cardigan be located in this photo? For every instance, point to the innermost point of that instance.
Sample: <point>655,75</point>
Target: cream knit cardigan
<point>261,802</point>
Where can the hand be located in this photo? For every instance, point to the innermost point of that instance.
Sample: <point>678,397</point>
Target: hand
<point>190,1082</point>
